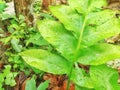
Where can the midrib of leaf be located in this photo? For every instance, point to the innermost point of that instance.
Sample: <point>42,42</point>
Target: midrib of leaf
<point>81,34</point>
<point>82,30</point>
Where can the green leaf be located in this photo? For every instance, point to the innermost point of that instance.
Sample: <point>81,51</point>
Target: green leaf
<point>46,61</point>
<point>46,15</point>
<point>30,84</point>
<point>1,79</point>
<point>100,25</point>
<point>99,54</point>
<point>69,17</point>
<point>82,88</point>
<point>104,78</point>
<point>15,45</point>
<point>55,33</point>
<point>43,86</point>
<point>2,6</point>
<point>80,79</point>
<point>36,39</point>
<point>85,6</point>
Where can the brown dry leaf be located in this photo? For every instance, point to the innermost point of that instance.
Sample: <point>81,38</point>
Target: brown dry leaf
<point>1,65</point>
<point>20,81</point>
<point>85,67</point>
<point>24,84</point>
<point>46,3</point>
<point>17,86</point>
<point>114,6</point>
<point>112,1</point>
<point>113,39</point>
<point>64,87</point>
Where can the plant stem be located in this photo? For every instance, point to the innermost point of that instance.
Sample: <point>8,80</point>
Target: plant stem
<point>69,76</point>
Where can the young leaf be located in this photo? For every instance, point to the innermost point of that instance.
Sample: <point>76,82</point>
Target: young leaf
<point>46,61</point>
<point>15,45</point>
<point>30,84</point>
<point>43,86</point>
<point>104,78</point>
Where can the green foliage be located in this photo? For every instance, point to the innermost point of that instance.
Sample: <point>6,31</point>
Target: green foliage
<point>81,78</point>
<point>36,6</point>
<point>21,37</point>
<point>31,85</point>
<point>78,37</point>
<point>16,37</point>
<point>7,77</point>
<point>104,77</point>
<point>2,6</point>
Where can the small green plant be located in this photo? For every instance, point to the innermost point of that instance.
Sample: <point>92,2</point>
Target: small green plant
<point>31,85</point>
<point>7,77</point>
<point>78,37</point>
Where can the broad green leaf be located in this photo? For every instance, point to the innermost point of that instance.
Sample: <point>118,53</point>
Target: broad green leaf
<point>43,86</point>
<point>69,17</point>
<point>46,61</point>
<point>104,78</point>
<point>99,26</point>
<point>99,54</point>
<point>55,33</point>
<point>85,6</point>
<point>30,84</point>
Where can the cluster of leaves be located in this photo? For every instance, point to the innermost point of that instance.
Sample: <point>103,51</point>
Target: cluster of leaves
<point>7,77</point>
<point>78,37</point>
<point>17,37</point>
<point>37,6</point>
<point>21,38</point>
